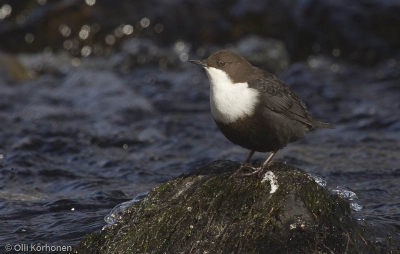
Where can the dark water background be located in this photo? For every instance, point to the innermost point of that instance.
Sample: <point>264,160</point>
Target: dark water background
<point>92,117</point>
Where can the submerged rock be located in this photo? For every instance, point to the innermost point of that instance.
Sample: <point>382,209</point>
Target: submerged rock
<point>209,212</point>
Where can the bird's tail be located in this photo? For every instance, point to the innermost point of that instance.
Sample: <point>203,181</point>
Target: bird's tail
<point>321,124</point>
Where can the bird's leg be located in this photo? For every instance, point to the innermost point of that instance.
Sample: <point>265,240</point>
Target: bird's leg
<point>269,159</point>
<point>244,164</point>
<point>249,156</point>
<point>260,169</point>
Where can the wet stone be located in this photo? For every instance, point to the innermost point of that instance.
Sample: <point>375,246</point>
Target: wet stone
<point>207,211</point>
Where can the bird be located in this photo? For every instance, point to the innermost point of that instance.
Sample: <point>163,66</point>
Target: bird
<point>253,108</point>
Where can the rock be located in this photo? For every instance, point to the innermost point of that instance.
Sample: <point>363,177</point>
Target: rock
<point>207,212</point>
<point>13,69</point>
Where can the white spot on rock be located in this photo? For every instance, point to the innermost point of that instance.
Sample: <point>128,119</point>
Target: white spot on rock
<point>272,179</point>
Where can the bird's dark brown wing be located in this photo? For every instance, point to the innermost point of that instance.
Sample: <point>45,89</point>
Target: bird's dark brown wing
<point>280,98</point>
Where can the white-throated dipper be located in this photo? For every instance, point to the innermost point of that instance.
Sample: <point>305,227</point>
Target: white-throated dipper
<point>253,108</point>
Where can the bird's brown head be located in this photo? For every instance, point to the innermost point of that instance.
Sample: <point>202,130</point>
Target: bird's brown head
<point>233,64</point>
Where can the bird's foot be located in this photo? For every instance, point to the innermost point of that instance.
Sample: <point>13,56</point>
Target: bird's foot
<point>243,169</point>
<point>253,170</point>
<point>246,169</point>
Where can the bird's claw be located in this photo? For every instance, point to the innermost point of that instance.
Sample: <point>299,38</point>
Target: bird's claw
<point>247,167</point>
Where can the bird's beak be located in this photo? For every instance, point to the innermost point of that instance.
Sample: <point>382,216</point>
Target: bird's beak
<point>201,63</point>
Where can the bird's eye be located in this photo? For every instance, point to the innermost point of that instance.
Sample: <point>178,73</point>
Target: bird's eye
<point>222,63</point>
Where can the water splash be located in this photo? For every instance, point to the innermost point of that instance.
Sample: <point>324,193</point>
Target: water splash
<point>349,195</point>
<point>318,179</point>
<point>117,211</point>
<point>344,192</point>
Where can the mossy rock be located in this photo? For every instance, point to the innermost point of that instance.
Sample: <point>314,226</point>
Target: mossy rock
<point>209,212</point>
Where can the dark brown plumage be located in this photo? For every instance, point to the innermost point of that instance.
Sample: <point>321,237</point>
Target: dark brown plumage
<point>253,108</point>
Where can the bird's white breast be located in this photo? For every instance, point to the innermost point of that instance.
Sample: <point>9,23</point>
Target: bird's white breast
<point>229,101</point>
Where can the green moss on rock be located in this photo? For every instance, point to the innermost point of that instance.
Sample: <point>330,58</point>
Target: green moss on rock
<point>207,212</point>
